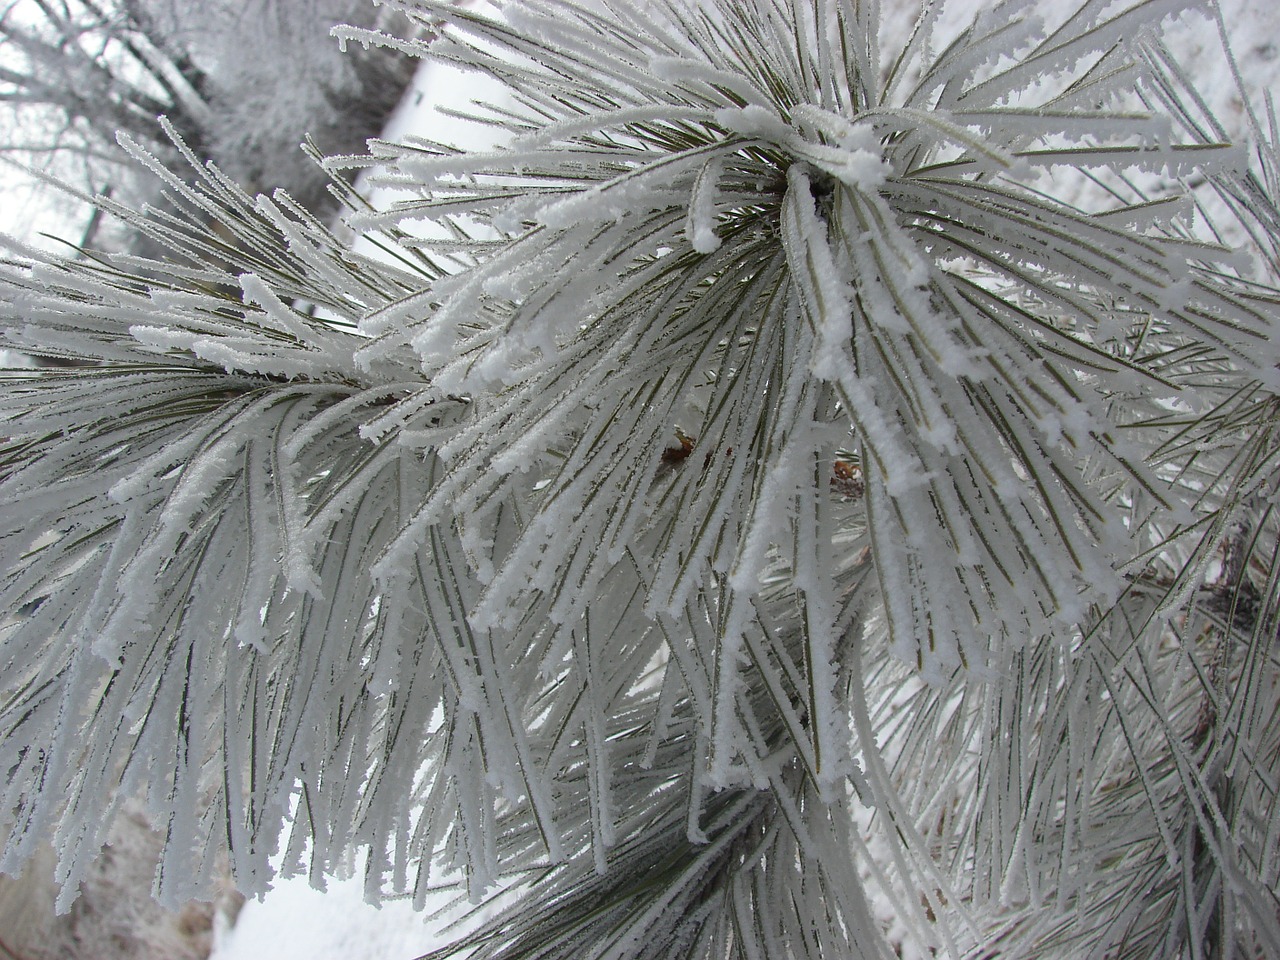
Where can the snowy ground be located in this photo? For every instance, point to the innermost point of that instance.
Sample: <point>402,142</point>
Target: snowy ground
<point>295,922</point>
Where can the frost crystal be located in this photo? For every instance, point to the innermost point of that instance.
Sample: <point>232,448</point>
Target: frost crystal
<point>762,440</point>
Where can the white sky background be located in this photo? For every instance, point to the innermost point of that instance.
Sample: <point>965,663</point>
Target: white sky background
<point>294,922</point>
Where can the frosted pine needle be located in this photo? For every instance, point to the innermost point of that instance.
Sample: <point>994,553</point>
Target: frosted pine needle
<point>778,478</point>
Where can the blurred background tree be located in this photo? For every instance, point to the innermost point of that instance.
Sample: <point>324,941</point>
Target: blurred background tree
<point>242,84</point>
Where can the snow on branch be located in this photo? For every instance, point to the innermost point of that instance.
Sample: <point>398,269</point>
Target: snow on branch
<point>775,486</point>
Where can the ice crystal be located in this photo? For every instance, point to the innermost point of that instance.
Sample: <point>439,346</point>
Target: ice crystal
<point>754,434</point>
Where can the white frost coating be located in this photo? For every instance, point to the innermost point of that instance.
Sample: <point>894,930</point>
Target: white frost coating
<point>620,118</point>
<point>831,287</point>
<point>715,379</point>
<point>756,121</point>
<point>676,69</point>
<point>782,484</point>
<point>852,152</point>
<point>700,225</point>
<point>828,309</point>
<point>632,193</point>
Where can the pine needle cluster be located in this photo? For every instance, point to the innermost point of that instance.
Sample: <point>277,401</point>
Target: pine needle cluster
<point>779,480</point>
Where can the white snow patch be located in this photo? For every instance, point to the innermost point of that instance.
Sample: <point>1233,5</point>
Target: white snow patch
<point>294,921</point>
